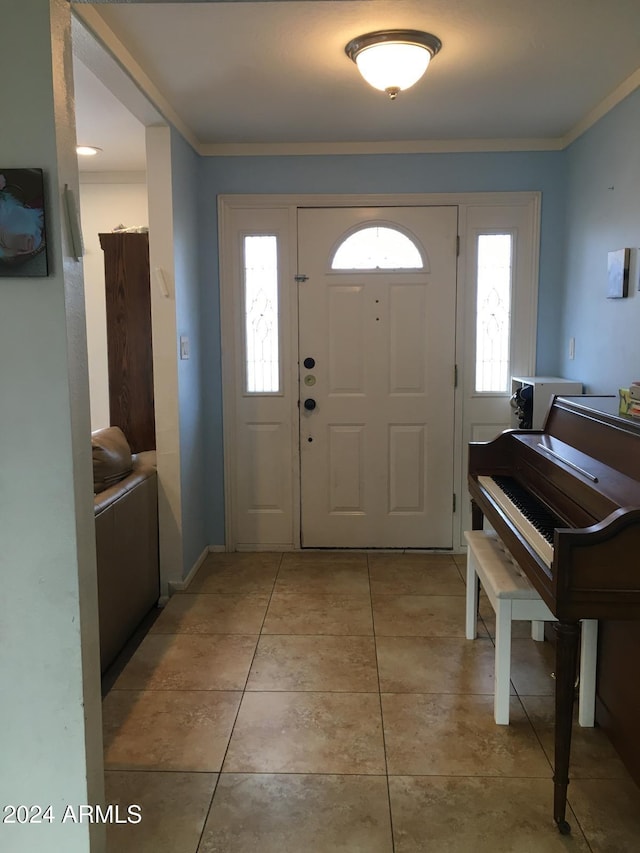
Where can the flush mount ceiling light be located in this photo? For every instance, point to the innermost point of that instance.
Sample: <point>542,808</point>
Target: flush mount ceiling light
<point>87,150</point>
<point>393,60</point>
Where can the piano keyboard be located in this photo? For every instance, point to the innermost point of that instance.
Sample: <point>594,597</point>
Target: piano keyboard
<point>529,516</point>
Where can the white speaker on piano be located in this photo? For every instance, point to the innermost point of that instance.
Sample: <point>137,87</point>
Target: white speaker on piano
<point>531,396</point>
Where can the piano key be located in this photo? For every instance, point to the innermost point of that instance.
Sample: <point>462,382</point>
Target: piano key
<point>541,518</point>
<point>518,517</point>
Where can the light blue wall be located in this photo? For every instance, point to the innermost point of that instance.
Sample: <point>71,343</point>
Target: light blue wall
<point>582,219</point>
<point>185,182</point>
<point>603,214</point>
<point>415,173</point>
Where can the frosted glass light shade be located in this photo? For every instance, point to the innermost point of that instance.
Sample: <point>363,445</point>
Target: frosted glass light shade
<point>87,150</point>
<point>393,66</point>
<point>393,60</point>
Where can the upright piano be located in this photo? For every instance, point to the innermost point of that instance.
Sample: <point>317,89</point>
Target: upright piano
<point>565,500</point>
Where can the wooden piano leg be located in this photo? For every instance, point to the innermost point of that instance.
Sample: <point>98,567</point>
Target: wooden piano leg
<point>567,635</point>
<point>477,516</point>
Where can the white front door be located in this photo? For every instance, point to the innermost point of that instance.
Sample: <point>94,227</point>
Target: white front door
<point>377,335</point>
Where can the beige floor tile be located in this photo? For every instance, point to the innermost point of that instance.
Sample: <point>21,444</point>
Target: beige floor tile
<point>450,735</point>
<point>168,730</point>
<point>212,614</point>
<point>189,662</point>
<point>414,574</point>
<point>307,733</point>
<point>323,573</point>
<point>293,814</point>
<point>408,559</point>
<point>318,614</point>
<point>592,755</point>
<point>419,615</point>
<point>323,559</point>
<point>609,814</point>
<point>312,711</point>
<point>346,664</point>
<point>174,808</point>
<point>532,665</point>
<point>243,560</point>
<point>446,815</point>
<point>435,665</point>
<point>236,573</point>
<point>432,556</point>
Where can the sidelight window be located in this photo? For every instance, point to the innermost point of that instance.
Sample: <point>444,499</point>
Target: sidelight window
<point>262,360</point>
<point>493,312</point>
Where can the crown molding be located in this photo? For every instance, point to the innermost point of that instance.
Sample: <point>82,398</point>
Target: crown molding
<point>94,22</point>
<point>428,146</point>
<point>606,105</point>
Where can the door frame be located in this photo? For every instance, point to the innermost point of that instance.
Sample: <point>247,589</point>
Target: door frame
<point>528,290</point>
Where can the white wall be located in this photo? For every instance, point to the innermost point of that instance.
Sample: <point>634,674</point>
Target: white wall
<point>165,355</point>
<point>106,200</point>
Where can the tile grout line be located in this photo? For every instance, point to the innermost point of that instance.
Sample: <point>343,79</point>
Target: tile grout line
<point>384,743</point>
<point>537,736</point>
<point>235,719</point>
<point>551,764</point>
<point>152,770</point>
<point>253,657</point>
<point>243,691</point>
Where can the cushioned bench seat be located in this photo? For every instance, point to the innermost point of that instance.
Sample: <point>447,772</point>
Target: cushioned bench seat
<point>513,598</point>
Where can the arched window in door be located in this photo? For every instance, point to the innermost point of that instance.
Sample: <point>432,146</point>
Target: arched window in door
<point>378,247</point>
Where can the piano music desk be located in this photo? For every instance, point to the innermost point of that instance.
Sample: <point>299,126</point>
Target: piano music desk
<point>513,598</point>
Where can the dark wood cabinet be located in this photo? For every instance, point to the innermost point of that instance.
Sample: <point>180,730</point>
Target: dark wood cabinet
<point>129,340</point>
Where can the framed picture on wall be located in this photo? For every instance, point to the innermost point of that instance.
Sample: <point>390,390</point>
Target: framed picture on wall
<point>23,242</point>
<point>618,274</point>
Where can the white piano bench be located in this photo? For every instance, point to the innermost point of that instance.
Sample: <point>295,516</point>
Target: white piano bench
<point>513,598</point>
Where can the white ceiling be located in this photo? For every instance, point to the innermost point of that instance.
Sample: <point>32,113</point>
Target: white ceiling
<point>102,121</point>
<point>253,73</point>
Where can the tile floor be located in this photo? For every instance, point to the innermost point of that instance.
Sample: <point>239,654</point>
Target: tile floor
<point>329,703</point>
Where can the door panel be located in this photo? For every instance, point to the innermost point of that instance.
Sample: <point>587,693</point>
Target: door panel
<point>406,462</point>
<point>261,449</point>
<point>376,452</point>
<point>408,350</point>
<point>345,339</point>
<point>346,469</point>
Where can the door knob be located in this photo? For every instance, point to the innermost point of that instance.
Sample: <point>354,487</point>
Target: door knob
<point>310,404</point>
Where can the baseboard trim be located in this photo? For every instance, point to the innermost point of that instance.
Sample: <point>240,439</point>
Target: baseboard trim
<point>180,586</point>
<point>277,546</point>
